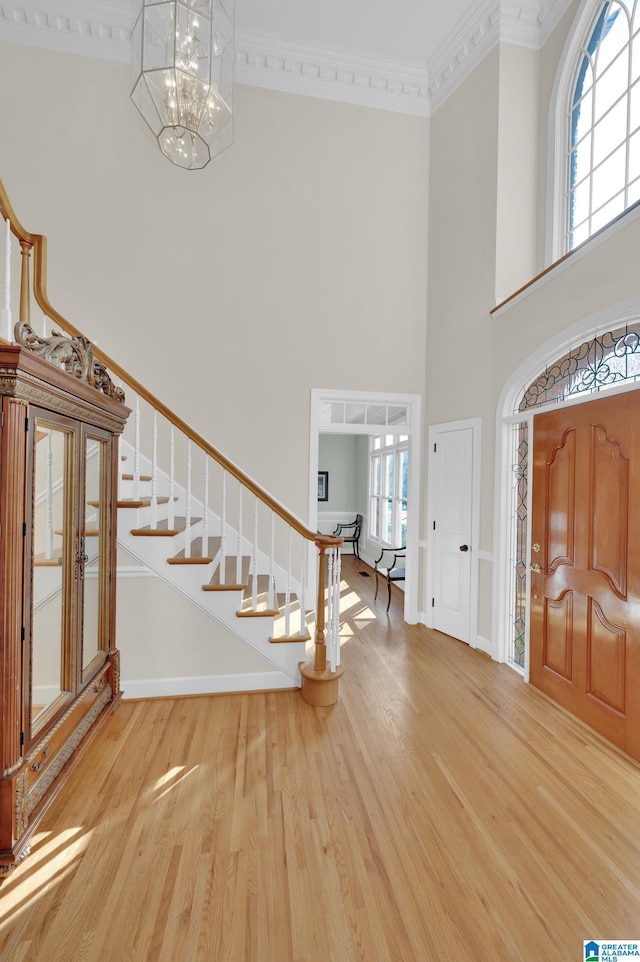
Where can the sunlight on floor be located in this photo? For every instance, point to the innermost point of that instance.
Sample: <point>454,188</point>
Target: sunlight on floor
<point>174,777</point>
<point>48,865</point>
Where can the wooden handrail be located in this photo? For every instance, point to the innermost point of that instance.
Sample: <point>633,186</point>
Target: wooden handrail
<point>38,243</point>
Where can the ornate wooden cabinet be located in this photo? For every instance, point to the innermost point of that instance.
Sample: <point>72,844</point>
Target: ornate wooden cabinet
<point>59,667</point>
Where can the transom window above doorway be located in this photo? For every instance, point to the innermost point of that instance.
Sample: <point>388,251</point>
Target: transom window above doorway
<point>354,412</point>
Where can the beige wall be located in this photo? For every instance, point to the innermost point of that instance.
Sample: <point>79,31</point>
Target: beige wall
<point>462,256</point>
<point>291,262</point>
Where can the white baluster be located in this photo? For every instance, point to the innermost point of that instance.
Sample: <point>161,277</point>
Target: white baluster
<point>303,589</point>
<point>172,478</point>
<point>328,638</point>
<point>154,472</point>
<point>287,597</point>
<point>49,545</point>
<point>223,534</point>
<point>254,557</point>
<point>187,520</point>
<point>336,609</point>
<point>205,509</point>
<point>136,453</point>
<point>272,551</point>
<point>239,555</point>
<point>6,308</point>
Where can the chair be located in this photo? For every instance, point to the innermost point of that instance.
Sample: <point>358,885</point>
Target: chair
<point>393,572</point>
<point>353,538</point>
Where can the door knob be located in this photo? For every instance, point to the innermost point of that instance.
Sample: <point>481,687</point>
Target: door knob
<point>464,547</point>
<point>535,568</point>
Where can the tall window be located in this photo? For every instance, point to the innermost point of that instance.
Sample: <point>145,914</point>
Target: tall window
<point>604,122</point>
<point>388,488</point>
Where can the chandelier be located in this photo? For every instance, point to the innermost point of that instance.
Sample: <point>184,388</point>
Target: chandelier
<point>182,54</point>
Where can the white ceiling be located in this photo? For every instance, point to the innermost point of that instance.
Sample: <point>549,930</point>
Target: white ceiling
<point>405,55</point>
<point>399,29</point>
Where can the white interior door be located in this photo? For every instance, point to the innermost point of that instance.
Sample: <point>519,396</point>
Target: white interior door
<point>452,478</point>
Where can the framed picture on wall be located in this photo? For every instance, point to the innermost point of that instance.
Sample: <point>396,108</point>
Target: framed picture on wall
<point>323,485</point>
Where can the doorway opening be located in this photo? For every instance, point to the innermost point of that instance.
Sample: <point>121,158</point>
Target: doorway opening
<point>368,415</point>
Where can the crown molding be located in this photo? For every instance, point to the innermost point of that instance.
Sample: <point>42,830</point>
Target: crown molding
<point>527,23</point>
<point>349,76</point>
<point>103,30</point>
<point>105,34</point>
<point>551,12</point>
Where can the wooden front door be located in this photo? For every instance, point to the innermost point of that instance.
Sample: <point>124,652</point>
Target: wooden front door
<point>585,597</point>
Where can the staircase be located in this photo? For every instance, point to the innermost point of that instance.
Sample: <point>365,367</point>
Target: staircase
<point>186,513</point>
<point>245,591</point>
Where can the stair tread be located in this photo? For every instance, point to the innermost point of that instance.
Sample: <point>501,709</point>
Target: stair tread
<point>130,477</point>
<point>289,639</point>
<point>163,530</point>
<point>134,502</point>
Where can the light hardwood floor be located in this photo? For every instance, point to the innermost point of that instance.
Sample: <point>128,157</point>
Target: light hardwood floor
<point>442,810</point>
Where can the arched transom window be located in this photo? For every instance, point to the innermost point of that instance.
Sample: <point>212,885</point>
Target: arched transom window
<point>604,121</point>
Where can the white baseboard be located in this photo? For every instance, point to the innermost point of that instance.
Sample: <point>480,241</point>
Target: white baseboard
<point>205,685</point>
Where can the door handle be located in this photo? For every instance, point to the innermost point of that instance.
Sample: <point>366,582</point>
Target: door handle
<point>464,547</point>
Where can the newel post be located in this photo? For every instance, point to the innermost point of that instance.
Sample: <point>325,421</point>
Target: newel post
<point>320,685</point>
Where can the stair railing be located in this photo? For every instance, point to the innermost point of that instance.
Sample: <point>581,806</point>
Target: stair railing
<point>279,542</point>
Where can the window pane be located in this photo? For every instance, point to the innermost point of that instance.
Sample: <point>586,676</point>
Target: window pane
<point>404,473</point>
<point>633,193</point>
<point>376,414</point>
<point>375,476</point>
<point>610,132</point>
<point>580,161</point>
<point>374,515</point>
<point>634,107</point>
<point>397,415</point>
<point>581,119</point>
<point>580,203</point>
<point>584,80</point>
<point>608,178</point>
<point>355,413</point>
<point>579,235</point>
<point>388,475</point>
<point>635,53</point>
<point>634,157</point>
<point>615,37</point>
<point>607,212</point>
<point>388,520</point>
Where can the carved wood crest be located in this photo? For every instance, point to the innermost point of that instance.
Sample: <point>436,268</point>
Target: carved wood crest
<point>73,354</point>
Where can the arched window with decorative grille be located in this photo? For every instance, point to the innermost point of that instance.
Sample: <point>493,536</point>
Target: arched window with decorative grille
<point>597,122</point>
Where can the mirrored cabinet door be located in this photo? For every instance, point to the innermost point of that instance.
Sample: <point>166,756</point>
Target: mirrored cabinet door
<point>52,554</point>
<point>94,553</point>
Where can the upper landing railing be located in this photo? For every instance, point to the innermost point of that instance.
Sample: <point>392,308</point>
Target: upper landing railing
<point>254,539</point>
